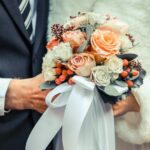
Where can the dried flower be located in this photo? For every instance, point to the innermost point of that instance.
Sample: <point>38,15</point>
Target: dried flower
<point>58,30</point>
<point>131,38</point>
<point>135,64</point>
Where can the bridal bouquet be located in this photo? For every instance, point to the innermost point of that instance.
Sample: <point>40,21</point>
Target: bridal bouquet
<point>86,64</point>
<point>90,47</point>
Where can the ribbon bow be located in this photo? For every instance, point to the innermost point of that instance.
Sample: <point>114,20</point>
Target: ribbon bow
<point>68,112</point>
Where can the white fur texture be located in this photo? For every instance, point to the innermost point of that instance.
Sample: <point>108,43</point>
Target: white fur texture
<point>133,127</point>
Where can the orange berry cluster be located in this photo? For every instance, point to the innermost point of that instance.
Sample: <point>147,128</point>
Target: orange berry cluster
<point>128,72</point>
<point>63,74</point>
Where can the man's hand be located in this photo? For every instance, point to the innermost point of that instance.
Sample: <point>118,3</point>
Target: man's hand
<point>26,94</point>
<point>128,105</point>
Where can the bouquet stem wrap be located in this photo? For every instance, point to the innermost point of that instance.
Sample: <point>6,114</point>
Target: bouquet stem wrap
<point>86,122</point>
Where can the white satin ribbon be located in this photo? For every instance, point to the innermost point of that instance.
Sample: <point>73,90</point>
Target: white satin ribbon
<point>68,111</point>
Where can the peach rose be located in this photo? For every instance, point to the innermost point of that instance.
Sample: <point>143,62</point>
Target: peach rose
<point>75,38</point>
<point>105,41</point>
<point>53,42</point>
<point>82,64</point>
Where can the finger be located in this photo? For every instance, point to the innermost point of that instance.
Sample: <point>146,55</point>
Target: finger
<point>121,111</point>
<point>41,95</point>
<point>38,105</point>
<point>117,112</point>
<point>41,110</point>
<point>119,102</point>
<point>115,107</point>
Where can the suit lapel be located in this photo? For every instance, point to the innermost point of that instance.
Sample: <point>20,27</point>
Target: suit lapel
<point>41,26</point>
<point>13,10</point>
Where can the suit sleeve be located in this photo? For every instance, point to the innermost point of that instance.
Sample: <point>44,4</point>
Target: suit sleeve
<point>4,84</point>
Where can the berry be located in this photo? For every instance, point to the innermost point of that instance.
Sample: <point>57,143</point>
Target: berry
<point>62,78</point>
<point>70,81</point>
<point>64,72</point>
<point>58,71</point>
<point>58,65</point>
<point>57,81</point>
<point>124,74</point>
<point>69,72</point>
<point>135,72</point>
<point>125,62</point>
<point>130,83</point>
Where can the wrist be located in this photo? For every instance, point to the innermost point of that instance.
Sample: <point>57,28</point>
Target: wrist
<point>15,92</point>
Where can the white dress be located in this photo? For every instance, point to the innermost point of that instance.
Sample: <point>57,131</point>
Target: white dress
<point>134,12</point>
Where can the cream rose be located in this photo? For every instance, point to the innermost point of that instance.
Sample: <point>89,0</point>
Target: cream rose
<point>63,51</point>
<point>49,60</point>
<point>125,43</point>
<point>49,74</point>
<point>122,27</point>
<point>75,38</point>
<point>101,76</point>
<point>48,65</point>
<point>82,64</point>
<point>84,19</point>
<point>77,22</point>
<point>105,41</point>
<point>114,65</point>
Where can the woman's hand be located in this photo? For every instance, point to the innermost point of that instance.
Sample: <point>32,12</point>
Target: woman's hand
<point>128,105</point>
<point>26,94</point>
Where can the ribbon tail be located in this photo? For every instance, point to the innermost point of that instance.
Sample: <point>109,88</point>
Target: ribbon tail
<point>51,121</point>
<point>106,126</point>
<point>45,129</point>
<point>78,105</point>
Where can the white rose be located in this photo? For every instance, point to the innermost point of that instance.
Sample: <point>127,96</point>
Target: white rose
<point>95,18</point>
<point>84,19</point>
<point>48,65</point>
<point>114,64</point>
<point>49,60</point>
<point>49,74</point>
<point>125,43</point>
<point>101,76</point>
<point>63,51</point>
<point>119,25</point>
<point>77,22</point>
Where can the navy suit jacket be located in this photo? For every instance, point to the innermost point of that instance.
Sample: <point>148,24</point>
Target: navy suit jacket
<point>19,58</point>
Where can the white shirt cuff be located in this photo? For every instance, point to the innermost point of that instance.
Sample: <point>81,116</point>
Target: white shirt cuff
<point>4,84</point>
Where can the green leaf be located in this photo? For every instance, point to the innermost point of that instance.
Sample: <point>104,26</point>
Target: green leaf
<point>110,90</point>
<point>121,83</point>
<point>88,29</point>
<point>129,56</point>
<point>82,47</point>
<point>47,85</point>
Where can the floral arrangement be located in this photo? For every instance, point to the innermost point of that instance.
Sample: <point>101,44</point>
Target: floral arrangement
<point>88,62</point>
<point>96,48</point>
